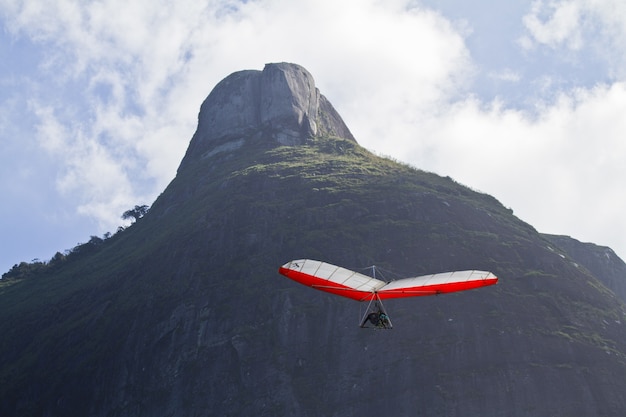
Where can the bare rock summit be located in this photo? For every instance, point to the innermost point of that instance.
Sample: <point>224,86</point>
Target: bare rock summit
<point>279,103</point>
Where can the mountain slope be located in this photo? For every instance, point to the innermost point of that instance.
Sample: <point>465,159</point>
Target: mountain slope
<point>184,313</point>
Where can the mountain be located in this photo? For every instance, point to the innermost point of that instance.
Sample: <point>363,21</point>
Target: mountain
<point>184,312</point>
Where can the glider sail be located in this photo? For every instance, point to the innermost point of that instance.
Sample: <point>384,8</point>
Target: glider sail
<point>346,283</point>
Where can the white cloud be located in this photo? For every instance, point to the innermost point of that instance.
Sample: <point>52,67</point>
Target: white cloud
<point>506,74</point>
<point>594,29</point>
<point>89,169</point>
<point>555,23</point>
<point>51,133</point>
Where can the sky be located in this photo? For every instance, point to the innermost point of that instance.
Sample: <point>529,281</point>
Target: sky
<point>523,100</point>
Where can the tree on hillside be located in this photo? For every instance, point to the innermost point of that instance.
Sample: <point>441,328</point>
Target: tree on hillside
<point>135,213</point>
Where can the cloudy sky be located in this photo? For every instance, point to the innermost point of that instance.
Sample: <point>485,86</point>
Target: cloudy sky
<point>524,100</point>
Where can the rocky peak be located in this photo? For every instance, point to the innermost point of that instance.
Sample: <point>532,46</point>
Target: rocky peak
<point>280,103</point>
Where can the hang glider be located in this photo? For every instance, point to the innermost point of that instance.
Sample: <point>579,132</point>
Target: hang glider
<point>346,283</point>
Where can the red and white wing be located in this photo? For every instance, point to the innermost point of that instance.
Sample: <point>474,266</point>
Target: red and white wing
<point>346,283</point>
<point>331,278</point>
<point>437,284</point>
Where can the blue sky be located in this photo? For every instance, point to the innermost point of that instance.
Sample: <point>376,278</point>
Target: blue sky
<point>524,100</point>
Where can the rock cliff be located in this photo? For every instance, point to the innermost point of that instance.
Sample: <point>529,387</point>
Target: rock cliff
<point>600,260</point>
<point>279,104</point>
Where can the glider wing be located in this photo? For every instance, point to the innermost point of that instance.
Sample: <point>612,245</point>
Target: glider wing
<point>331,278</point>
<point>437,284</point>
<point>340,281</point>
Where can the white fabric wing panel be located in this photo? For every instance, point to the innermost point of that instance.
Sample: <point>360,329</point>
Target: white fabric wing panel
<point>435,279</point>
<point>338,275</point>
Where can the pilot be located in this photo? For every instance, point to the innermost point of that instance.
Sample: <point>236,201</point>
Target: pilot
<point>378,318</point>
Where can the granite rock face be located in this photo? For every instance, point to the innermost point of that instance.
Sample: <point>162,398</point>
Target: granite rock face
<point>280,103</point>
